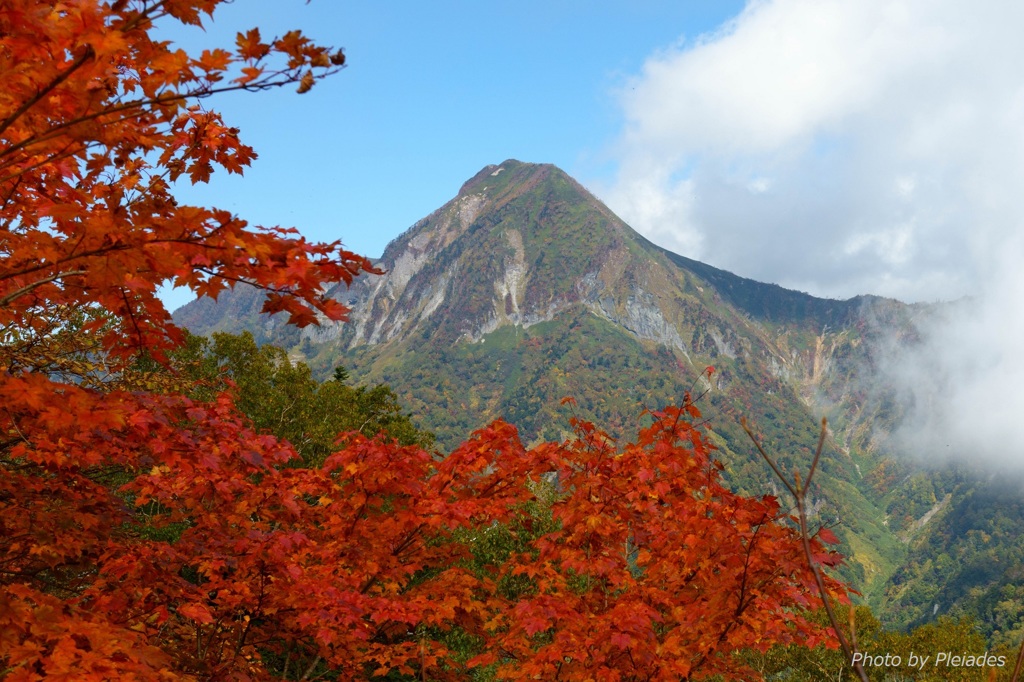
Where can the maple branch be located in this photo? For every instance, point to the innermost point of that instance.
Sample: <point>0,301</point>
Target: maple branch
<point>14,425</point>
<point>238,280</point>
<point>688,396</point>
<point>746,567</point>
<point>799,493</point>
<point>132,318</point>
<point>67,259</point>
<point>401,547</point>
<point>38,283</point>
<point>287,660</point>
<point>141,106</point>
<point>409,539</point>
<point>14,441</point>
<point>259,608</point>
<point>706,653</point>
<point>55,156</point>
<point>10,195</point>
<point>123,247</point>
<point>57,130</point>
<point>86,55</point>
<point>311,668</point>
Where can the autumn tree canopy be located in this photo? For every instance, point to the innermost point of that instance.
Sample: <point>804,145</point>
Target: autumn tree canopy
<point>148,531</point>
<point>99,118</point>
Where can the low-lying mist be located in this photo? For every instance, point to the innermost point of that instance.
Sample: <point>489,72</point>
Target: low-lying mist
<point>961,388</point>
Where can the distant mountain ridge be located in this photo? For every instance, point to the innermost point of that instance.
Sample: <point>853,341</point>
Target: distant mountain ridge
<point>524,244</point>
<point>525,288</point>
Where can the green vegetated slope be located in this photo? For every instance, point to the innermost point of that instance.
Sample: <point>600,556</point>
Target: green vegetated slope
<point>525,289</point>
<point>969,562</point>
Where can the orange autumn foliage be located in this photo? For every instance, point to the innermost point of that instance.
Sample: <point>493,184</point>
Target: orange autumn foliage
<point>97,120</point>
<point>656,571</point>
<point>144,535</point>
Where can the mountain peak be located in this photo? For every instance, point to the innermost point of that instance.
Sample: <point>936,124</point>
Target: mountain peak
<point>522,243</point>
<point>520,236</point>
<point>489,174</point>
<point>512,178</point>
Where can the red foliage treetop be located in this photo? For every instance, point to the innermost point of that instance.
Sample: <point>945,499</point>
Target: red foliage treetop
<point>655,570</point>
<point>144,535</point>
<point>97,119</point>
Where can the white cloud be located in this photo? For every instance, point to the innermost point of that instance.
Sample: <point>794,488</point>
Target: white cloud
<point>854,146</point>
<point>892,246</point>
<point>780,72</point>
<point>844,147</point>
<point>962,385</point>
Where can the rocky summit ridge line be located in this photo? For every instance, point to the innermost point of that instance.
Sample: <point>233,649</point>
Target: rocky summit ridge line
<point>525,288</point>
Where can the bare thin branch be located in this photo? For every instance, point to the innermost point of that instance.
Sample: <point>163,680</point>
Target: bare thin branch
<point>767,458</point>
<point>799,494</point>
<point>817,453</point>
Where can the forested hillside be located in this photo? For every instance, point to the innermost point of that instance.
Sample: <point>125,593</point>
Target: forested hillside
<point>525,289</point>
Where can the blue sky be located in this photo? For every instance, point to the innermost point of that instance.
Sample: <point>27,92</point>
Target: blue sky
<point>838,147</point>
<point>432,93</point>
